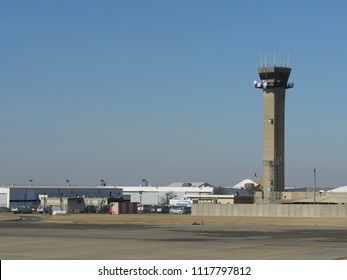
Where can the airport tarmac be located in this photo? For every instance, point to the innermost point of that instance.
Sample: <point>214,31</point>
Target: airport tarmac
<point>33,238</point>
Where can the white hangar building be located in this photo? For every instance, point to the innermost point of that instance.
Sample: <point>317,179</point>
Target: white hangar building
<point>4,197</point>
<point>153,195</point>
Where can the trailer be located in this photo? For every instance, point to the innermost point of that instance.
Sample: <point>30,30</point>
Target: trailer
<point>181,202</point>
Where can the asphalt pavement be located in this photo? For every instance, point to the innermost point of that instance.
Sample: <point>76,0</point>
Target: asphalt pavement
<point>33,238</point>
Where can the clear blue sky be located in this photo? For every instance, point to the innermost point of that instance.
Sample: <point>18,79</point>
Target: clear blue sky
<point>125,90</point>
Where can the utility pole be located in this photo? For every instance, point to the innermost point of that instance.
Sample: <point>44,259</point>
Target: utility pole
<point>314,185</point>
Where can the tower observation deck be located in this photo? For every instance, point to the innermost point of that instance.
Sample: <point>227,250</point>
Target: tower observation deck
<point>274,82</point>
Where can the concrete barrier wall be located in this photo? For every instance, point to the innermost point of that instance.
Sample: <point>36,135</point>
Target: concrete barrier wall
<point>269,210</point>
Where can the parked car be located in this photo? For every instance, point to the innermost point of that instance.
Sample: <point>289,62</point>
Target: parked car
<point>4,209</point>
<point>144,208</point>
<point>44,210</point>
<point>176,210</point>
<point>165,209</point>
<point>187,210</point>
<point>104,209</point>
<point>89,209</point>
<point>25,210</point>
<point>58,212</point>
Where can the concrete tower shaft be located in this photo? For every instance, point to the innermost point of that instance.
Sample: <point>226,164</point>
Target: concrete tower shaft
<point>274,82</point>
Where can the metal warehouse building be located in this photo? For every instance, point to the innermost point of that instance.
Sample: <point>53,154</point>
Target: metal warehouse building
<point>31,195</point>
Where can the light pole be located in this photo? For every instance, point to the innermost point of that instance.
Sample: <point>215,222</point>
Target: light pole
<point>44,202</point>
<point>102,205</point>
<point>315,185</point>
<point>140,192</point>
<point>26,192</point>
<point>61,202</point>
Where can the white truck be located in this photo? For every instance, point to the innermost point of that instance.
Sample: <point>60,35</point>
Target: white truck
<point>56,210</point>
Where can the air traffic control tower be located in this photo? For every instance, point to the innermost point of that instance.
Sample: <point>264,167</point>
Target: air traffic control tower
<point>274,82</point>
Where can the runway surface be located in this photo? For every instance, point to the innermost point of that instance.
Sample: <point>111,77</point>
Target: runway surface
<point>33,238</point>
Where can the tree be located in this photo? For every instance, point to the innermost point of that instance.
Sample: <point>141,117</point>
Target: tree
<point>165,199</point>
<point>218,190</point>
<point>252,188</point>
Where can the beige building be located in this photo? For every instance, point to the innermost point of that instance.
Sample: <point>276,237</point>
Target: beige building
<point>307,197</point>
<point>221,199</point>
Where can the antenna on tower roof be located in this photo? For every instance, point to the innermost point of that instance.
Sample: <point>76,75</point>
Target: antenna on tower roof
<point>261,60</point>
